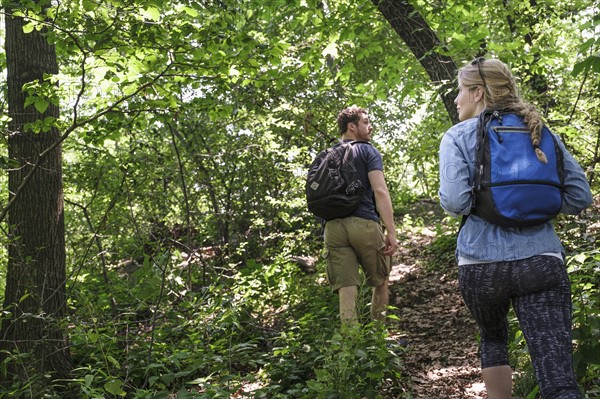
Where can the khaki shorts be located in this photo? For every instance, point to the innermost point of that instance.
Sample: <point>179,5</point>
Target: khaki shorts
<point>353,241</point>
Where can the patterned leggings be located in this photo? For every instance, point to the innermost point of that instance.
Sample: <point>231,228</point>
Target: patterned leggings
<point>539,290</point>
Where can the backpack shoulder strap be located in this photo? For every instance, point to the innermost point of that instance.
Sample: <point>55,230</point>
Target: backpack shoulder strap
<point>359,141</point>
<point>483,121</point>
<point>463,220</point>
<point>481,131</point>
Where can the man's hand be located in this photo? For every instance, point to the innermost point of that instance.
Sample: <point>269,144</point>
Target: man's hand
<point>391,245</point>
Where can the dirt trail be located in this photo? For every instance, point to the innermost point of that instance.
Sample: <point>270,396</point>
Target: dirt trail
<point>441,361</point>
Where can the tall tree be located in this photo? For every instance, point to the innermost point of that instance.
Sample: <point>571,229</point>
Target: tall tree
<point>425,45</point>
<point>35,284</point>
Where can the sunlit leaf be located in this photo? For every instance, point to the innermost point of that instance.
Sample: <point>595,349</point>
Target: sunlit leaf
<point>28,28</point>
<point>151,13</point>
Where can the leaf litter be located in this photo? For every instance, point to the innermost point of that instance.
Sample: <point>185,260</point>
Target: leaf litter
<point>441,359</point>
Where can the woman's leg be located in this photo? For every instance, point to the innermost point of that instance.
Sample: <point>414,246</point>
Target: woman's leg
<point>498,382</point>
<point>544,312</point>
<point>485,290</point>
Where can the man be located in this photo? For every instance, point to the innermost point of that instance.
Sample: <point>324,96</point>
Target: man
<point>360,238</point>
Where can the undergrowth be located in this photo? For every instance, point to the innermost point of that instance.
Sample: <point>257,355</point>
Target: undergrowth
<point>264,330</point>
<point>260,331</point>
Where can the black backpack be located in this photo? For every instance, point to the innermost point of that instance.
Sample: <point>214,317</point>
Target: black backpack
<point>333,188</point>
<point>512,187</point>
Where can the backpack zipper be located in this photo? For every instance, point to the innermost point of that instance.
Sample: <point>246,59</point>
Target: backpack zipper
<point>516,129</point>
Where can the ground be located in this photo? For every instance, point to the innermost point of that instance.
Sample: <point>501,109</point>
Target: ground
<point>441,359</point>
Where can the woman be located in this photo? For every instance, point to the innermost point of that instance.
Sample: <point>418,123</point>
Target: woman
<point>500,266</point>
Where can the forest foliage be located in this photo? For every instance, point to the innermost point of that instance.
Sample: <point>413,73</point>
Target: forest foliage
<point>188,127</point>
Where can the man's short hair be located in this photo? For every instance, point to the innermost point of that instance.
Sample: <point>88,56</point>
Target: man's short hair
<point>349,115</point>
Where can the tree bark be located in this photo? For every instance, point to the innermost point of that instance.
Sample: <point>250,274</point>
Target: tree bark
<point>35,294</point>
<point>424,44</point>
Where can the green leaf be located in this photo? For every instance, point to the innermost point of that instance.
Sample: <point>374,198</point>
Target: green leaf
<point>41,105</point>
<point>88,5</point>
<point>151,13</point>
<point>28,28</point>
<point>114,387</point>
<point>585,46</point>
<point>92,336</point>
<point>322,374</point>
<point>113,361</point>
<point>190,11</point>
<point>29,101</point>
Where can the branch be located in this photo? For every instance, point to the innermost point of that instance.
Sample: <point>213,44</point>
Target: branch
<point>188,218</point>
<point>578,97</point>
<point>67,133</point>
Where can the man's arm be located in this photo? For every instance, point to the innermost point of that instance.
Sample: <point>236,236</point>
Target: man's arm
<point>383,202</point>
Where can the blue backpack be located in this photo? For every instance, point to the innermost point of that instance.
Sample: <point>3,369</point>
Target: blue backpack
<point>512,187</point>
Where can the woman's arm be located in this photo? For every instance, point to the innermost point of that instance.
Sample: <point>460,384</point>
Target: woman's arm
<point>577,193</point>
<point>455,188</point>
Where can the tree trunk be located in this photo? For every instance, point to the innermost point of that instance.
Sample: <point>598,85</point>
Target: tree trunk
<point>424,44</point>
<point>35,292</point>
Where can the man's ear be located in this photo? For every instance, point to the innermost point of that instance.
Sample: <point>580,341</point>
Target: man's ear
<point>351,127</point>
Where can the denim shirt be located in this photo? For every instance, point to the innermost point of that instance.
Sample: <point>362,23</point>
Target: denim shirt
<point>480,240</point>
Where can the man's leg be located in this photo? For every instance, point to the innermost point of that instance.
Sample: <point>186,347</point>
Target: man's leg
<point>380,301</point>
<point>498,382</point>
<point>347,297</point>
<point>368,240</point>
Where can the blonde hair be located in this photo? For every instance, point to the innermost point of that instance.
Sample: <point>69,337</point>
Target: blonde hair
<point>501,94</point>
